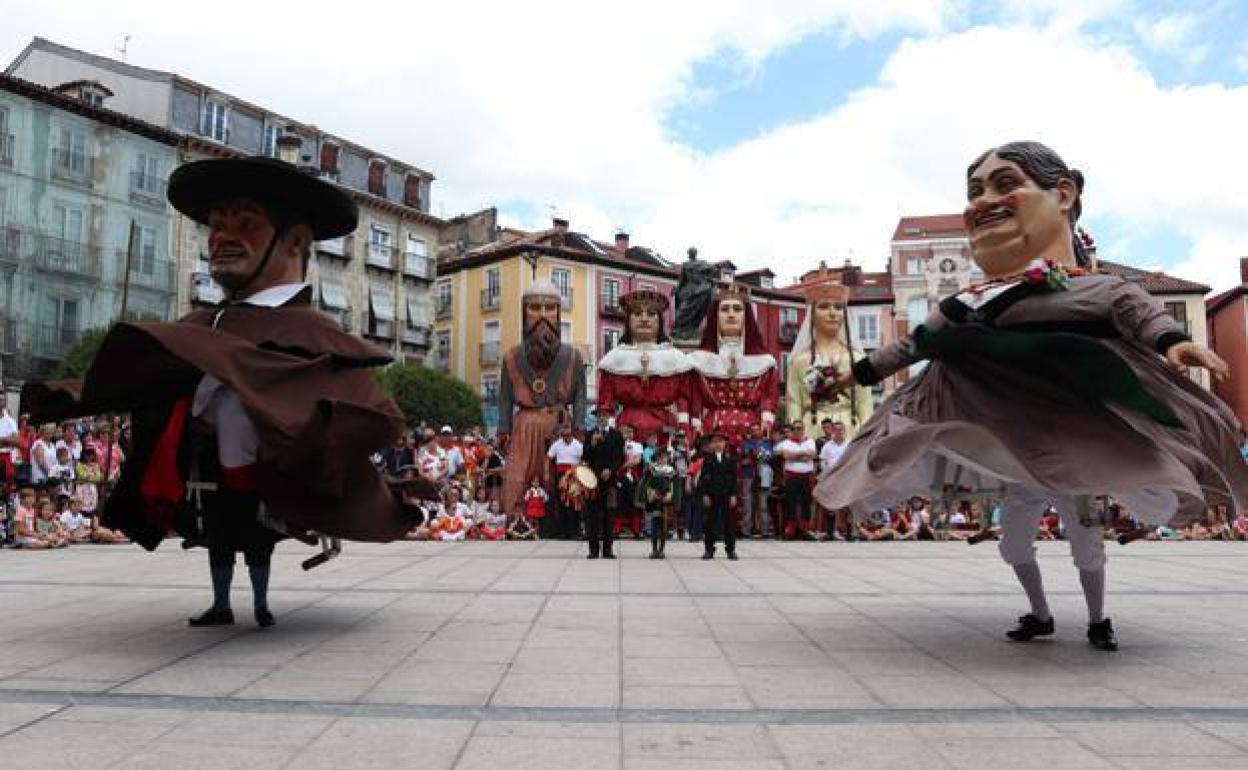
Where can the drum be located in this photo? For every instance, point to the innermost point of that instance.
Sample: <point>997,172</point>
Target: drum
<point>578,486</point>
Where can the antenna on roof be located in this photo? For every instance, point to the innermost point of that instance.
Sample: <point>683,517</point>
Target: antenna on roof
<point>124,47</point>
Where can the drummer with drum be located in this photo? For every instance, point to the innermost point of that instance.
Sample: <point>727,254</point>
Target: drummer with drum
<point>565,453</point>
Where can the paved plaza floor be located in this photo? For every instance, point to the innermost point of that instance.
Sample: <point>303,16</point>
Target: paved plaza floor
<point>526,655</point>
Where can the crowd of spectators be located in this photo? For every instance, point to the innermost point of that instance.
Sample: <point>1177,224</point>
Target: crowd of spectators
<point>776,472</point>
<point>54,479</point>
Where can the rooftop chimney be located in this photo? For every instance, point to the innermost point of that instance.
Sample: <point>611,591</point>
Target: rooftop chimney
<point>851,274</point>
<point>560,225</point>
<point>1243,269</point>
<point>288,148</point>
<point>621,242</point>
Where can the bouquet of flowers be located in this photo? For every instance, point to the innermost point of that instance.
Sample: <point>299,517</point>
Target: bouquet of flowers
<point>1048,274</point>
<point>821,383</point>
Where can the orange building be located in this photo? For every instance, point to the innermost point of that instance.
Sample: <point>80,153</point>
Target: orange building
<point>1227,315</point>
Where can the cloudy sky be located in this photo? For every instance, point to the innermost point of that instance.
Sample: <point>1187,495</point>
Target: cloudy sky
<point>776,133</point>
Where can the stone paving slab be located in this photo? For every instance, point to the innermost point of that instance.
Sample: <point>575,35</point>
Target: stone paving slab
<point>519,655</point>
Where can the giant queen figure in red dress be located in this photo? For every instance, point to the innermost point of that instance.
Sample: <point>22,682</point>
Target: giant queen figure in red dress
<point>736,383</point>
<point>643,382</point>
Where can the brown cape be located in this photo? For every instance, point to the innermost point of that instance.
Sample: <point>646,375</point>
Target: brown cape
<point>318,409</point>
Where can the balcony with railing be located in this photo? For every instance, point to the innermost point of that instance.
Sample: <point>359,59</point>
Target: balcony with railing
<point>611,307</point>
<point>10,245</point>
<point>416,335</point>
<point>6,150</point>
<point>491,353</point>
<point>418,266</point>
<point>342,247</point>
<point>57,255</point>
<point>147,190</point>
<point>70,166</point>
<point>50,341</point>
<point>380,255</point>
<point>149,273</point>
<point>490,299</point>
<point>443,307</point>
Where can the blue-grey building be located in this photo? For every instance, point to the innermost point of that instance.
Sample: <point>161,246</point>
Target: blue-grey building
<point>82,195</point>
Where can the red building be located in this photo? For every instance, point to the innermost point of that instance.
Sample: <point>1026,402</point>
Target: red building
<point>1227,315</point>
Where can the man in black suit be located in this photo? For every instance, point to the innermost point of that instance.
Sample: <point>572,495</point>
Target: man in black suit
<point>604,454</point>
<point>717,484</point>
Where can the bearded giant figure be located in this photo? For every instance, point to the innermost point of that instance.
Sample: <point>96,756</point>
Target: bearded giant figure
<point>542,388</point>
<point>735,383</point>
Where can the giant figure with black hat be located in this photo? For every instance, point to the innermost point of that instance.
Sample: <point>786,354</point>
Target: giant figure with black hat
<point>262,406</point>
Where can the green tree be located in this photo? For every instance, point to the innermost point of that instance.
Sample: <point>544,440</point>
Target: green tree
<point>80,355</point>
<point>428,396</point>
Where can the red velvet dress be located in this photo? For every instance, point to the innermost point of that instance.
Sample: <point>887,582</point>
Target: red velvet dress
<point>649,393</point>
<point>733,401</point>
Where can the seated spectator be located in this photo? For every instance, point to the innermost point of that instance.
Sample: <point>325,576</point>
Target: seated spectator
<point>25,534</point>
<point>454,520</point>
<point>480,503</point>
<point>493,524</point>
<point>1197,530</point>
<point>535,498</point>
<point>940,524</point>
<point>77,526</point>
<point>47,527</point>
<point>61,474</point>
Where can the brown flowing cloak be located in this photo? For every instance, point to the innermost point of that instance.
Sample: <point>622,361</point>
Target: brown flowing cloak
<point>318,409</point>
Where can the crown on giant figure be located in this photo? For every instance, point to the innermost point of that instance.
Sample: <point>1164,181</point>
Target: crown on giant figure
<point>823,287</point>
<point>820,292</point>
<point>736,291</point>
<point>644,299</point>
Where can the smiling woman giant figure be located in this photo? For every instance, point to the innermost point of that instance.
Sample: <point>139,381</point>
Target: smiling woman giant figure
<point>1049,383</point>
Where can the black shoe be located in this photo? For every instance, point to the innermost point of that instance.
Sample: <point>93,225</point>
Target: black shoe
<point>608,556</point>
<point>1101,636</point>
<point>264,618</point>
<point>592,555</point>
<point>213,617</point>
<point>732,556</point>
<point>1029,627</point>
<point>708,555</point>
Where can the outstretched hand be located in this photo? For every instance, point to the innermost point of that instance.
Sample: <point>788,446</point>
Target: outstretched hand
<point>1186,354</point>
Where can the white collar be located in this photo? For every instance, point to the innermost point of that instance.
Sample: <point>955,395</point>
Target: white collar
<point>275,296</point>
<point>662,360</point>
<point>716,364</point>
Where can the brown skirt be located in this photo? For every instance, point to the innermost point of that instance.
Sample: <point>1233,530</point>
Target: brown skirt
<point>532,430</point>
<point>975,425</point>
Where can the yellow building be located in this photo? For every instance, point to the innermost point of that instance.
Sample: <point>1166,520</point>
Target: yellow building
<point>478,316</point>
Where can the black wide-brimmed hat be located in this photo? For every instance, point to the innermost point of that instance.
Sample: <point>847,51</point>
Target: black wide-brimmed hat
<point>291,196</point>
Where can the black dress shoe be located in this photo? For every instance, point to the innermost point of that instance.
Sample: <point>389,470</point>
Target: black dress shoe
<point>1029,627</point>
<point>732,556</point>
<point>1101,636</point>
<point>264,618</point>
<point>708,555</point>
<point>213,617</point>
<point>592,556</point>
<point>608,556</point>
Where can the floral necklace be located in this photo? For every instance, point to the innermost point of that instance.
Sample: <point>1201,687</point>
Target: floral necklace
<point>1044,273</point>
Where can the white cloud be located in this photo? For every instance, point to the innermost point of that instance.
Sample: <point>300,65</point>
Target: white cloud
<point>1175,35</point>
<point>565,103</point>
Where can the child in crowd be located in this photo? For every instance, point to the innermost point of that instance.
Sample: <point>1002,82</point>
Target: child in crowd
<point>48,527</point>
<point>26,535</point>
<point>480,503</point>
<point>61,473</point>
<point>493,523</point>
<point>77,526</point>
<point>535,498</point>
<point>655,495</point>
<point>455,520</point>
